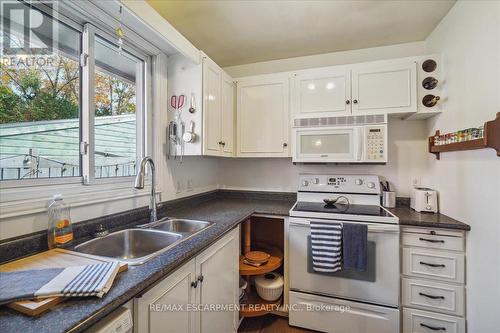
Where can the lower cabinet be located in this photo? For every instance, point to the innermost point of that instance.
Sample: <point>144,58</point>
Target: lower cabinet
<point>418,321</point>
<point>433,280</point>
<point>198,297</point>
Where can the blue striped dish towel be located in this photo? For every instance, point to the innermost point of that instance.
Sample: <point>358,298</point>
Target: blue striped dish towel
<point>326,246</point>
<point>88,280</point>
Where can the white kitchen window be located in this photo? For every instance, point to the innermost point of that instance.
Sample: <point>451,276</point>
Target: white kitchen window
<point>78,118</point>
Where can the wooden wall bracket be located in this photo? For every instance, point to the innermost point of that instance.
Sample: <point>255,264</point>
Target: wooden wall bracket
<point>491,139</point>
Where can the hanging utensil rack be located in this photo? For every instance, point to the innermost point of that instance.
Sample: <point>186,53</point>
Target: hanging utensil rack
<point>491,139</point>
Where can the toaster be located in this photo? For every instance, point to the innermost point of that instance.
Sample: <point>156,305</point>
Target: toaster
<point>424,199</point>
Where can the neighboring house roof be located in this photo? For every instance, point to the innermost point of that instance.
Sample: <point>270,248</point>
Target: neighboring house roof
<point>56,142</point>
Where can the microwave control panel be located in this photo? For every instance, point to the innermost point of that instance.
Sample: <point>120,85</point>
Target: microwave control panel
<point>375,140</point>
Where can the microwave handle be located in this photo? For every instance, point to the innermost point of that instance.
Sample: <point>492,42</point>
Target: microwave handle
<point>358,143</point>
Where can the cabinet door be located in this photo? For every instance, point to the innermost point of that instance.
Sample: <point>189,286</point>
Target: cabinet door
<point>158,310</point>
<point>227,116</point>
<point>263,116</point>
<point>322,92</point>
<point>212,107</point>
<point>384,87</point>
<point>218,267</point>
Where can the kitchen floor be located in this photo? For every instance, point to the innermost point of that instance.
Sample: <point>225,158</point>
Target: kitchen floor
<point>269,324</point>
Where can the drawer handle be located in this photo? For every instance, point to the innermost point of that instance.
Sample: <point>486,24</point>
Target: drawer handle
<point>431,240</point>
<point>431,296</point>
<point>432,265</point>
<point>434,328</point>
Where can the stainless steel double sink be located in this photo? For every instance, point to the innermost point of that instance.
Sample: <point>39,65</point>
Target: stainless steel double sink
<point>136,246</point>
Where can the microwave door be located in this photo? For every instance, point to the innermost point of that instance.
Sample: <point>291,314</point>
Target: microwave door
<point>327,145</point>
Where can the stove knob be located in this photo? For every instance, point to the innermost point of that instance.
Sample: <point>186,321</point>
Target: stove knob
<point>371,185</point>
<point>359,181</point>
<point>305,183</point>
<point>315,181</point>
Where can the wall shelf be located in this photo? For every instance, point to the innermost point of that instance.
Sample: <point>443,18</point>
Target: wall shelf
<point>491,139</point>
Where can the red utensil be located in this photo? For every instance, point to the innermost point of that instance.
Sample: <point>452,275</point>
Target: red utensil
<point>181,101</point>
<point>173,102</point>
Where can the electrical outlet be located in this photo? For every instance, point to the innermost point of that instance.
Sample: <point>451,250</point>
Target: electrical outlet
<point>189,185</point>
<point>416,181</point>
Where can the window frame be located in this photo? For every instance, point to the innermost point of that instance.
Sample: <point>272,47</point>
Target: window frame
<point>87,110</point>
<point>88,105</point>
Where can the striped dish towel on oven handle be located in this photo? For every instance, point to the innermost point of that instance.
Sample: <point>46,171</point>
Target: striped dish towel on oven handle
<point>326,246</point>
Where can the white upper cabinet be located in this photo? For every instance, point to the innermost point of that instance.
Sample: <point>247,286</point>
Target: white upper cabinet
<point>321,92</point>
<point>210,92</point>
<point>218,110</point>
<point>263,116</point>
<point>384,87</point>
<point>212,107</point>
<point>378,87</point>
<point>227,127</point>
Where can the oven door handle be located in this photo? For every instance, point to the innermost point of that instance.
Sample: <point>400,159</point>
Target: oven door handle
<point>371,227</point>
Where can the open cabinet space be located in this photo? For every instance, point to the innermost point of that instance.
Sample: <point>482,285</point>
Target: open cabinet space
<point>262,234</point>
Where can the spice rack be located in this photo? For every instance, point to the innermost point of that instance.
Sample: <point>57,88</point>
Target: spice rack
<point>489,139</point>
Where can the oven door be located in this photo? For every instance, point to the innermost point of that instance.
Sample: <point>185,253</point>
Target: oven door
<point>379,284</point>
<point>327,144</point>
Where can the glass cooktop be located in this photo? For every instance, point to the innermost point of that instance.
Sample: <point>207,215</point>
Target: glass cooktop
<point>320,207</point>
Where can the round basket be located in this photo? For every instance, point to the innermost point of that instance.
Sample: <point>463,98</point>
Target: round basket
<point>269,286</point>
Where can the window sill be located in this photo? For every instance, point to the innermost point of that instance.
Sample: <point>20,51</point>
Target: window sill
<point>16,202</point>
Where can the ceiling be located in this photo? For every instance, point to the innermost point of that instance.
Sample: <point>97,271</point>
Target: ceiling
<point>246,31</point>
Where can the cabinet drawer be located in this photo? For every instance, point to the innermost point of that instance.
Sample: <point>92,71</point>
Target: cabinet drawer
<point>417,321</point>
<point>327,314</point>
<point>433,241</point>
<point>441,265</point>
<point>433,296</point>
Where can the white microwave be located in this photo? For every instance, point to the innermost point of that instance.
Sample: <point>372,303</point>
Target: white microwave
<point>359,143</point>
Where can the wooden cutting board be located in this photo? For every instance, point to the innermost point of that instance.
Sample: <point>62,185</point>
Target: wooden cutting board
<point>55,258</point>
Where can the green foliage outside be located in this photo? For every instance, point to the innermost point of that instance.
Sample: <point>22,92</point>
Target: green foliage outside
<point>34,93</point>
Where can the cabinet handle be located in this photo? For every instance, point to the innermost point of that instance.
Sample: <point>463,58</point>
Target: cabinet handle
<point>434,328</point>
<point>432,265</point>
<point>285,144</point>
<point>431,296</point>
<point>223,143</point>
<point>194,284</point>
<point>355,101</point>
<point>220,142</point>
<point>200,278</point>
<point>431,240</point>
<point>348,102</point>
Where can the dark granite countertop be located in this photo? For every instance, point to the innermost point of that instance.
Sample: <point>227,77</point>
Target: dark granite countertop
<point>410,217</point>
<point>77,315</point>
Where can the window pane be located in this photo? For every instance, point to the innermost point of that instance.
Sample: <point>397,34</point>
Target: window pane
<point>116,80</point>
<point>39,97</point>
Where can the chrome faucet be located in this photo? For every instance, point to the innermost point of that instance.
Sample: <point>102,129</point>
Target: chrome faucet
<point>139,184</point>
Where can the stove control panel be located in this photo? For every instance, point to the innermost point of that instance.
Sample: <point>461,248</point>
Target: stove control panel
<point>354,184</point>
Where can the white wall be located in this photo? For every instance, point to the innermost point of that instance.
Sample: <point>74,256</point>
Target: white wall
<point>469,181</point>
<point>328,59</point>
<point>407,160</point>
